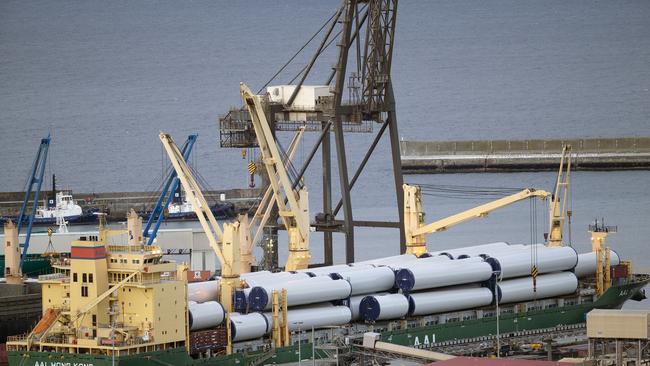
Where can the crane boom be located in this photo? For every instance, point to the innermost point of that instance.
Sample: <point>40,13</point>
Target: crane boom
<point>225,243</point>
<point>295,216</point>
<point>251,231</point>
<point>558,210</point>
<point>413,215</point>
<point>36,177</point>
<point>171,185</point>
<point>264,209</point>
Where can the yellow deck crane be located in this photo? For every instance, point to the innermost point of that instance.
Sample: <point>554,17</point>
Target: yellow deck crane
<point>558,209</point>
<point>414,216</point>
<point>295,216</point>
<point>225,243</point>
<point>252,230</point>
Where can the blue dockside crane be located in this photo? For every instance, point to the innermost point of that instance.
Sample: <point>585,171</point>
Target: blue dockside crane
<point>36,177</point>
<point>170,187</point>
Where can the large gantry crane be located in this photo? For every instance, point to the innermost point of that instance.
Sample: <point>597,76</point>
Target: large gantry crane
<point>365,41</point>
<point>225,243</point>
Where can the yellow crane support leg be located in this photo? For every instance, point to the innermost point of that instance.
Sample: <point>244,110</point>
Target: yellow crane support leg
<point>277,339</point>
<point>599,271</point>
<point>413,220</point>
<point>285,320</point>
<point>608,269</point>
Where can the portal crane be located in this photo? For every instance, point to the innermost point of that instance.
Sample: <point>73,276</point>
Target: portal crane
<point>355,94</point>
<point>414,216</point>
<point>295,216</point>
<point>558,209</point>
<point>36,177</point>
<point>225,243</point>
<point>168,190</point>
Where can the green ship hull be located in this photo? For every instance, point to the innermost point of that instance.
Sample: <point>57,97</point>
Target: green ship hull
<point>420,337</point>
<point>34,266</point>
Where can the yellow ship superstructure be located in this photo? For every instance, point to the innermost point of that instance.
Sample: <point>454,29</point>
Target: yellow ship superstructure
<point>110,299</point>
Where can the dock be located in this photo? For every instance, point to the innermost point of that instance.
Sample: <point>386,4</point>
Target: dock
<point>117,204</point>
<point>629,153</point>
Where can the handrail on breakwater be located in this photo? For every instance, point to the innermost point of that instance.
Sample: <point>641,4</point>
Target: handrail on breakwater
<point>625,153</point>
<point>533,146</point>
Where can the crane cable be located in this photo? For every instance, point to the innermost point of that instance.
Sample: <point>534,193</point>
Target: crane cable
<point>466,192</point>
<point>534,270</point>
<point>297,52</point>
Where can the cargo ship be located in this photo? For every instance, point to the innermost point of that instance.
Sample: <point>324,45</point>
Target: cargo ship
<point>126,305</point>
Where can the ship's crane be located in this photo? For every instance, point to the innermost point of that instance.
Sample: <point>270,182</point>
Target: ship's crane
<point>295,216</point>
<point>248,238</point>
<point>416,231</point>
<point>35,178</point>
<point>170,187</point>
<point>225,243</point>
<point>558,209</point>
<point>264,210</point>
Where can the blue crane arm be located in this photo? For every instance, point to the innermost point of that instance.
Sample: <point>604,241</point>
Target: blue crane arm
<point>36,177</point>
<point>172,182</point>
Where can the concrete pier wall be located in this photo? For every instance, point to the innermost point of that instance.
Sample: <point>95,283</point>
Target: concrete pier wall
<point>117,204</point>
<point>523,155</point>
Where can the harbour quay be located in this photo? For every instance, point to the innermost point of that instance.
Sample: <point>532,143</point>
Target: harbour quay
<point>628,153</point>
<point>117,204</point>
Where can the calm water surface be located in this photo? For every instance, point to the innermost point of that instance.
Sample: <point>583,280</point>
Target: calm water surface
<point>105,77</point>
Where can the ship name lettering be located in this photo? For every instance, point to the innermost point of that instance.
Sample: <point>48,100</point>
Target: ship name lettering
<point>426,342</point>
<point>58,363</point>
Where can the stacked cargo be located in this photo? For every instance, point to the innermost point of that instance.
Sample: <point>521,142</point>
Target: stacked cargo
<point>396,287</point>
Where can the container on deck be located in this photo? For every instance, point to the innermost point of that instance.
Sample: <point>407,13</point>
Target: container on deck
<point>214,340</point>
<point>198,276</point>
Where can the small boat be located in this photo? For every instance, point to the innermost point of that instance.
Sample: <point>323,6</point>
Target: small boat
<point>179,210</point>
<point>64,207</point>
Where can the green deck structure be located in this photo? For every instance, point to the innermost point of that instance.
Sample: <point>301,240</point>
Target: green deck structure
<point>415,337</point>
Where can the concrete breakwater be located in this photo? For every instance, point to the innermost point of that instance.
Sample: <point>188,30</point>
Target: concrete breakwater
<point>116,204</point>
<point>523,155</point>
